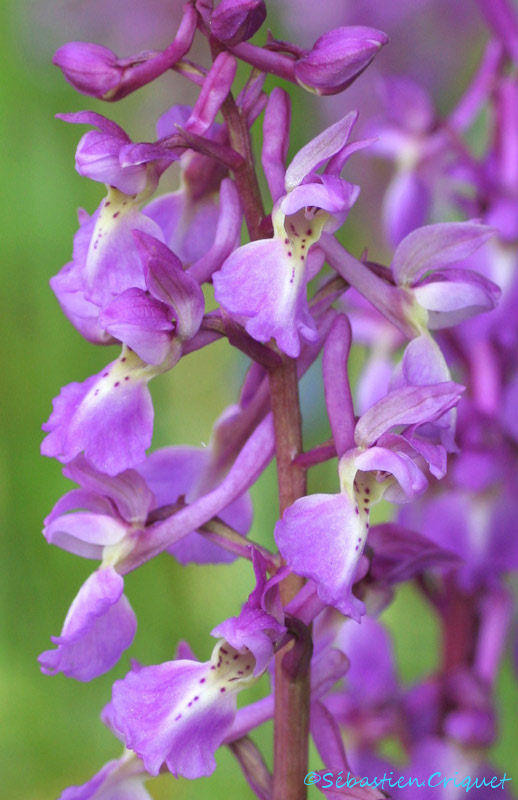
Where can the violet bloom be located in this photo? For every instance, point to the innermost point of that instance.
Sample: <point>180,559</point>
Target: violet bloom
<point>99,626</point>
<point>407,135</point>
<point>264,282</point>
<point>180,712</point>
<point>322,536</point>
<point>120,779</point>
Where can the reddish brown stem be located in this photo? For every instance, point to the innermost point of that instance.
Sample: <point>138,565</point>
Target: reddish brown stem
<point>291,715</point>
<point>291,687</point>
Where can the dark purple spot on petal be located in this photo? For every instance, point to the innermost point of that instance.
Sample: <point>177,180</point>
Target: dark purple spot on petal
<point>202,680</point>
<point>190,704</point>
<point>195,698</point>
<point>96,392</point>
<point>117,383</point>
<point>105,374</point>
<point>116,214</point>
<point>179,716</point>
<point>224,651</point>
<point>289,253</point>
<point>356,548</point>
<point>356,510</point>
<point>286,241</point>
<point>309,232</point>
<point>123,359</point>
<point>223,689</point>
<point>127,378</point>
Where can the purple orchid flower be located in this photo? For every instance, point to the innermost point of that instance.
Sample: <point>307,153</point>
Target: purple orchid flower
<point>264,282</point>
<point>181,711</point>
<point>99,626</point>
<point>322,536</point>
<point>106,262</point>
<point>112,509</point>
<point>109,416</point>
<point>153,323</point>
<point>98,415</point>
<point>450,295</point>
<point>97,156</point>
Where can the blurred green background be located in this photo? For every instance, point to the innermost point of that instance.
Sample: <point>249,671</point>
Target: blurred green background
<point>51,729</point>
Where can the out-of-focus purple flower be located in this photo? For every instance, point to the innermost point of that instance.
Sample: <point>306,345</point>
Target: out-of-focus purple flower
<point>99,626</point>
<point>264,282</point>
<point>476,528</point>
<point>406,135</point>
<point>235,21</point>
<point>120,779</point>
<point>96,71</point>
<point>369,704</point>
<point>447,295</point>
<point>337,58</point>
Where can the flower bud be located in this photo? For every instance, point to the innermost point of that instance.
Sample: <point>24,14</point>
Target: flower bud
<point>337,58</point>
<point>90,68</point>
<point>235,21</point>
